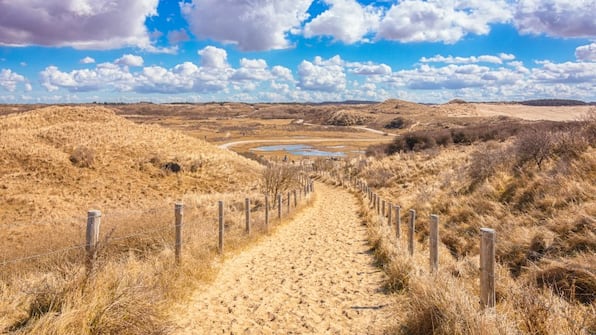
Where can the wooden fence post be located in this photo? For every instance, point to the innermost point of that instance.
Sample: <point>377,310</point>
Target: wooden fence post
<point>398,222</point>
<point>295,200</point>
<point>289,202</point>
<point>389,213</point>
<point>178,213</point>
<point>378,205</point>
<point>247,214</point>
<point>92,236</point>
<point>221,227</point>
<point>411,232</point>
<point>279,206</point>
<point>434,243</point>
<point>487,267</point>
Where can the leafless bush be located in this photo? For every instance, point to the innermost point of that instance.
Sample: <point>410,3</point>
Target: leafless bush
<point>278,178</point>
<point>535,145</point>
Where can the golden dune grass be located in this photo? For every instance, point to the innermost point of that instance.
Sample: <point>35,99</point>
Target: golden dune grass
<point>119,169</point>
<point>546,240</point>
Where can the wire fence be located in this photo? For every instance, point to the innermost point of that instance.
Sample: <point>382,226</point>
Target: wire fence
<point>200,218</point>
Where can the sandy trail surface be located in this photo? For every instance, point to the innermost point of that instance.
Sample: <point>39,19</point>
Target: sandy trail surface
<point>314,275</point>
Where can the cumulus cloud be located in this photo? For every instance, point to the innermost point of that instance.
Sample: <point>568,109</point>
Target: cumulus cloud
<point>251,25</point>
<point>82,24</point>
<point>562,18</point>
<point>87,60</point>
<point>586,52</point>
<point>346,21</point>
<point>130,60</point>
<point>85,80</point>
<point>282,73</point>
<point>567,72</point>
<point>213,57</point>
<point>252,69</point>
<point>441,21</point>
<point>322,75</point>
<point>498,59</point>
<point>369,68</point>
<point>9,80</point>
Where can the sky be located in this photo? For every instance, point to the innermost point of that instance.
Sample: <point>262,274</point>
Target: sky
<point>431,51</point>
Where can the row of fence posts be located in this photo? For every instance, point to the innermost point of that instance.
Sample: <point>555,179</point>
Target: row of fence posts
<point>94,221</point>
<point>487,241</point>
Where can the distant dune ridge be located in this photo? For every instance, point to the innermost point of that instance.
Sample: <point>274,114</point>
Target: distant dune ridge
<point>58,160</point>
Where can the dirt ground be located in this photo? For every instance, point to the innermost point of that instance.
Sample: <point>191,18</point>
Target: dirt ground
<point>314,275</point>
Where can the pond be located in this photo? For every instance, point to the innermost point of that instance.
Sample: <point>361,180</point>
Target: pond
<point>299,150</point>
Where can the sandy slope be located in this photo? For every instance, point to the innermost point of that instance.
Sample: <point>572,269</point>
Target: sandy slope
<point>553,113</point>
<point>313,276</point>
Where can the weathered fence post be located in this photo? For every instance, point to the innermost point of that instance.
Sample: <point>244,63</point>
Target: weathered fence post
<point>389,213</point>
<point>383,208</point>
<point>295,200</point>
<point>267,212</point>
<point>279,206</point>
<point>378,205</point>
<point>92,236</point>
<point>221,227</point>
<point>487,267</point>
<point>247,214</point>
<point>178,212</point>
<point>411,231</point>
<point>434,243</point>
<point>289,202</point>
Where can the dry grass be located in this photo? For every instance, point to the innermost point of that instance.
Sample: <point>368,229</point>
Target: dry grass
<point>544,218</point>
<point>60,162</point>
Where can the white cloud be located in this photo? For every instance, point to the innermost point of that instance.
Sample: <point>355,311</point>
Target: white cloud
<point>320,79</point>
<point>82,24</point>
<point>9,80</point>
<point>213,57</point>
<point>369,68</point>
<point>567,73</point>
<point>346,21</point>
<point>84,80</point>
<point>251,70</point>
<point>130,60</point>
<point>586,52</point>
<point>251,25</point>
<point>322,75</point>
<point>441,21</point>
<point>563,18</point>
<point>468,60</point>
<point>282,73</point>
<point>87,60</point>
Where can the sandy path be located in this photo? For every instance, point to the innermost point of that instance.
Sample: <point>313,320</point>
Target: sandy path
<point>313,276</point>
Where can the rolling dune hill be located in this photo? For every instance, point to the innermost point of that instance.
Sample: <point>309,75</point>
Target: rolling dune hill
<point>59,162</point>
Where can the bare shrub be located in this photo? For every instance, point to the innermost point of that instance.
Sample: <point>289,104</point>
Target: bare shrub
<point>278,178</point>
<point>534,145</point>
<point>82,157</point>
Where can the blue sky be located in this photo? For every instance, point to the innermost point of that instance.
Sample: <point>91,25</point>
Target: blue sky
<point>296,50</point>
